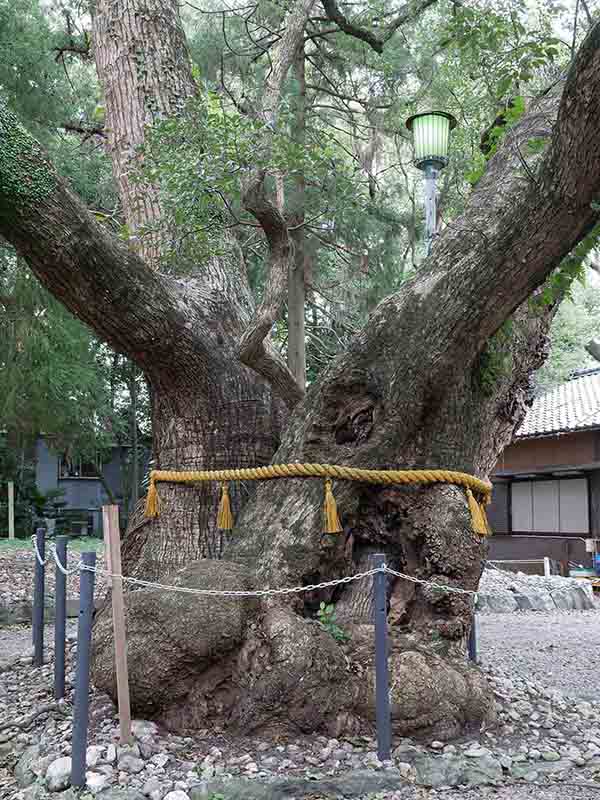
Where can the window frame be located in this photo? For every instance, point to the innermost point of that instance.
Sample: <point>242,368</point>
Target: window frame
<point>80,461</point>
<point>541,477</point>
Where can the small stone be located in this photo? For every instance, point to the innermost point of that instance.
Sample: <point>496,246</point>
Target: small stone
<point>477,752</point>
<point>437,745</point>
<point>142,727</point>
<point>160,759</point>
<point>251,767</point>
<point>550,755</point>
<point>405,770</point>
<point>129,763</point>
<point>96,781</point>
<point>151,785</point>
<point>111,753</point>
<point>178,794</point>
<point>58,776</point>
<point>128,750</point>
<point>93,755</point>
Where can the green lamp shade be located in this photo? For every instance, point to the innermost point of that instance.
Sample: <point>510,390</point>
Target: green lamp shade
<point>431,134</point>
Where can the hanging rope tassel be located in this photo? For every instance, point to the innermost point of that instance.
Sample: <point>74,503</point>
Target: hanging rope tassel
<point>482,505</point>
<point>332,521</point>
<point>225,517</point>
<point>478,515</point>
<point>152,500</point>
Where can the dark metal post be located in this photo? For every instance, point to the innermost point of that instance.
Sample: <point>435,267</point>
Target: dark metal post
<point>82,678</point>
<point>382,692</point>
<point>431,174</point>
<point>472,644</point>
<point>60,618</point>
<point>38,600</point>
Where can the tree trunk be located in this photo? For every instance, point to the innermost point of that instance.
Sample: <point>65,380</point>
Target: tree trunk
<point>429,381</point>
<point>234,422</point>
<point>144,68</point>
<point>296,274</point>
<point>135,456</point>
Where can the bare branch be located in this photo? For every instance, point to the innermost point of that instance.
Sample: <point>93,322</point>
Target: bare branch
<point>410,12</point>
<point>83,50</point>
<point>86,131</point>
<point>335,15</point>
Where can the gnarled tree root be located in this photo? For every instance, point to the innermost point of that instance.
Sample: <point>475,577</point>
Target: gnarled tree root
<point>249,665</point>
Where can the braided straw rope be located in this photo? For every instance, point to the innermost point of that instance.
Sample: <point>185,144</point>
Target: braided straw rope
<point>474,486</point>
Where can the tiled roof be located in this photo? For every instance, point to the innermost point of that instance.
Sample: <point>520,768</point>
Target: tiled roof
<point>572,406</point>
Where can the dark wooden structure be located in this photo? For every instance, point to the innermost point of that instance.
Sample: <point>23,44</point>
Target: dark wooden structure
<point>547,483</point>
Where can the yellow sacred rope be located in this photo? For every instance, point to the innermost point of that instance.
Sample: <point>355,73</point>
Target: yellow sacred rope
<point>478,492</point>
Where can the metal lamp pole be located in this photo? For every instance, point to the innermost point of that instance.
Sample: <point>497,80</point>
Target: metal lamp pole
<point>431,135</point>
<point>430,173</point>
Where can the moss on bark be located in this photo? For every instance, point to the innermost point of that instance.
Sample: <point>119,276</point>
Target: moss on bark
<point>26,175</point>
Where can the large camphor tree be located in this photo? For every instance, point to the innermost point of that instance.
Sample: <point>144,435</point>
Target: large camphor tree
<point>434,379</point>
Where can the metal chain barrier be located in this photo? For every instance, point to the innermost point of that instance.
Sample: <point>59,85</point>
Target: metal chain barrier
<point>284,591</point>
<point>42,561</point>
<point>433,584</point>
<point>440,587</point>
<point>231,592</point>
<point>62,567</point>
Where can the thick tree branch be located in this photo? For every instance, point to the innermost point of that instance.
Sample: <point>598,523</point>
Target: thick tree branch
<point>94,274</point>
<point>410,12</point>
<point>283,56</point>
<point>520,223</point>
<point>253,352</point>
<point>513,234</point>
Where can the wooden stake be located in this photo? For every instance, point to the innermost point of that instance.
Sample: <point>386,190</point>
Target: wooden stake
<point>112,537</point>
<point>11,510</point>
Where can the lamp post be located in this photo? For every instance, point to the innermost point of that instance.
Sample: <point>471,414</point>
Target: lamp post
<point>431,134</point>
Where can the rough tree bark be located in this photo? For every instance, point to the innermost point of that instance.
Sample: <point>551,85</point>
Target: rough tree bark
<point>417,387</point>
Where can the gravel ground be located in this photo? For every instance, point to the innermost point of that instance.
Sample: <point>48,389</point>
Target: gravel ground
<point>559,792</point>
<point>560,649</point>
<point>16,640</point>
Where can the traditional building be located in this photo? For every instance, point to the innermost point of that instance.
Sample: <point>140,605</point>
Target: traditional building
<point>546,499</point>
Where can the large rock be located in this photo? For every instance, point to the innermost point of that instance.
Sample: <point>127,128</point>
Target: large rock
<point>434,771</point>
<point>58,776</point>
<point>497,603</point>
<point>501,591</point>
<point>352,784</point>
<point>24,774</point>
